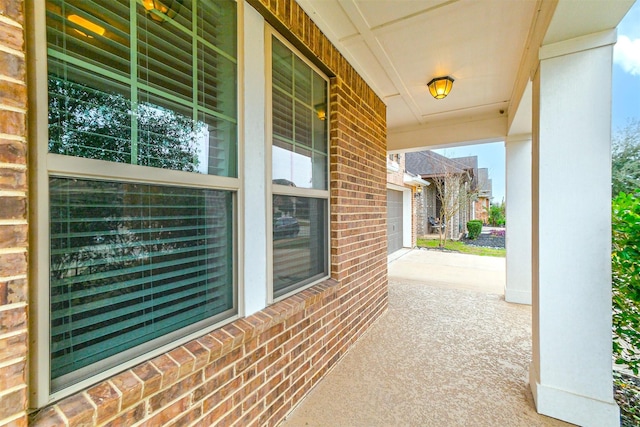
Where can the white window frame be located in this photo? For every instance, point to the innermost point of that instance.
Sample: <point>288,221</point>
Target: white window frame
<point>284,190</point>
<point>43,164</point>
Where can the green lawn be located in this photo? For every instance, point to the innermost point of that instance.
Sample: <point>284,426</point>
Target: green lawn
<point>462,248</point>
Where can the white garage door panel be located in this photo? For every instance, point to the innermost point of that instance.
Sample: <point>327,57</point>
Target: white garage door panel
<point>394,220</point>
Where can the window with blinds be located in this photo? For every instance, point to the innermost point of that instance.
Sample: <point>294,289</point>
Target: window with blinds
<point>136,263</point>
<point>299,154</point>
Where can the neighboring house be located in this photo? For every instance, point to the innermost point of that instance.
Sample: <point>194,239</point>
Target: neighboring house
<point>403,189</point>
<point>482,203</point>
<point>461,173</point>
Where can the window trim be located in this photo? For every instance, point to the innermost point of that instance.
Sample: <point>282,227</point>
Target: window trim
<point>271,32</point>
<point>44,164</point>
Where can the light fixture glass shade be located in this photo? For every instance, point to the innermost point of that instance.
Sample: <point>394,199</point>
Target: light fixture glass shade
<point>440,87</point>
<point>167,9</point>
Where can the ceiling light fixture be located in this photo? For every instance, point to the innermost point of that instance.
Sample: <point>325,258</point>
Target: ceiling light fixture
<point>440,87</point>
<point>321,111</point>
<point>160,10</point>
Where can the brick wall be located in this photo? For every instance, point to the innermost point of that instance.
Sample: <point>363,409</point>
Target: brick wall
<point>256,369</point>
<point>13,216</point>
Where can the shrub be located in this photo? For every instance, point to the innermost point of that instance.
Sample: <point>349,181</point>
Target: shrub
<point>625,268</point>
<point>475,228</point>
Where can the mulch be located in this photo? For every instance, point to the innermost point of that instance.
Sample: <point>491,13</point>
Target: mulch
<point>486,240</point>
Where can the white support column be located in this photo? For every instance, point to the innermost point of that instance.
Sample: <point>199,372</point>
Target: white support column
<point>518,201</point>
<point>255,191</point>
<point>570,374</point>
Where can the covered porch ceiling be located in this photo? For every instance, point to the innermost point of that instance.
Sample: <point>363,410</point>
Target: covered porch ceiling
<point>490,48</point>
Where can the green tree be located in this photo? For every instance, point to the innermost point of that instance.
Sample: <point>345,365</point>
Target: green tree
<point>625,268</point>
<point>625,159</point>
<point>497,215</point>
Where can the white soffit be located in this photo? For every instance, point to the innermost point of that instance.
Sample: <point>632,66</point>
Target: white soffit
<point>399,45</point>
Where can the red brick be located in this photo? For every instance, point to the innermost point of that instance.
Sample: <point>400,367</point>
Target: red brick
<point>12,9</point>
<point>185,360</point>
<point>215,413</point>
<point>13,152</point>
<point>200,353</point>
<point>46,417</point>
<point>188,417</point>
<point>223,362</point>
<point>13,375</point>
<point>13,236</point>
<point>13,403</point>
<point>77,409</point>
<point>13,347</point>
<point>150,376</point>
<point>168,414</point>
<point>215,382</point>
<point>226,390</point>
<point>130,387</point>
<point>107,400</point>
<point>225,339</point>
<point>236,333</point>
<point>13,320</point>
<point>11,37</point>
<point>12,208</point>
<point>13,94</point>
<point>168,368</point>
<point>12,123</point>
<point>13,180</point>
<point>212,345</point>
<point>128,418</point>
<point>181,388</point>
<point>249,360</point>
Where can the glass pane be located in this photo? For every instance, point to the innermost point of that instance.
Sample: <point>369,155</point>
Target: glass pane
<point>156,112</point>
<point>85,121</point>
<point>165,53</point>
<point>217,82</point>
<point>282,66</point>
<point>296,167</point>
<point>218,139</point>
<point>217,24</point>
<point>131,263</point>
<point>303,81</point>
<point>303,119</point>
<point>299,242</point>
<point>299,121</point>
<point>96,32</point>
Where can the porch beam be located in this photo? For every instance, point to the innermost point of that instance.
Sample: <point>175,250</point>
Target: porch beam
<point>477,129</point>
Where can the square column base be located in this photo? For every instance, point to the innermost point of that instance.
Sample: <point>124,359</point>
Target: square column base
<point>517,296</point>
<point>566,406</point>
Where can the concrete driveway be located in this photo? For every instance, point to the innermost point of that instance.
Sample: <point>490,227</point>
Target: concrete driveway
<point>448,270</point>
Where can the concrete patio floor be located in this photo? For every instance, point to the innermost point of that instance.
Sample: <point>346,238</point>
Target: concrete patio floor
<point>449,352</point>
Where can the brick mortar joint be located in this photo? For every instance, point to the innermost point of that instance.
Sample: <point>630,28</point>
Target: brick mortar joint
<point>317,293</point>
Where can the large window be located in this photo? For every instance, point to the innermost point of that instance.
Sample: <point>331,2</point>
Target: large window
<point>141,178</point>
<point>299,169</point>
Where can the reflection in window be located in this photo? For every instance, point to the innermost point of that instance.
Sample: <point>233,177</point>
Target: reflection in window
<point>299,242</point>
<point>299,108</point>
<point>132,262</point>
<point>177,112</point>
<point>136,265</point>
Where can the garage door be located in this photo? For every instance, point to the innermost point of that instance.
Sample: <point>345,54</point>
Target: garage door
<point>394,220</point>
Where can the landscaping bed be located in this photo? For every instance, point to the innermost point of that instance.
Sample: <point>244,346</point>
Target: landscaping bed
<point>493,239</point>
<point>626,390</point>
